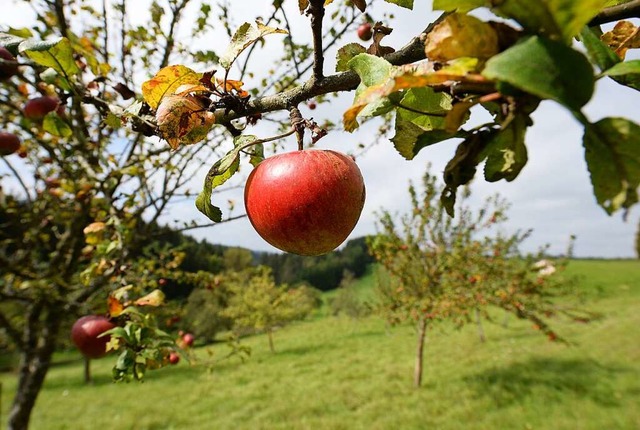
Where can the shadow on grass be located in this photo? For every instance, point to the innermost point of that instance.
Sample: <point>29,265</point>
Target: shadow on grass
<point>550,379</point>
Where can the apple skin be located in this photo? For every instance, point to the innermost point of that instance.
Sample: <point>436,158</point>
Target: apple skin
<point>174,358</point>
<point>9,143</point>
<point>7,70</point>
<point>365,32</point>
<point>38,107</point>
<point>188,339</point>
<point>305,202</point>
<point>85,332</point>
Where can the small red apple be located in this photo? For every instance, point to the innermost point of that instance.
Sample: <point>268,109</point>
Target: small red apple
<point>312,105</point>
<point>365,32</point>
<point>85,332</point>
<point>38,107</point>
<point>9,143</point>
<point>7,70</point>
<point>174,358</point>
<point>162,282</point>
<point>188,339</point>
<point>305,202</point>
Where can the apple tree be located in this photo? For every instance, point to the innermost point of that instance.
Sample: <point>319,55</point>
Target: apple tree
<point>257,304</point>
<point>86,92</point>
<point>437,268</point>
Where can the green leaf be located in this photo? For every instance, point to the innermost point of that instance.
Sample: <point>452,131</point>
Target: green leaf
<point>556,19</point>
<point>461,169</point>
<point>244,37</point>
<point>612,152</point>
<point>371,69</point>
<point>219,173</point>
<point>403,3</point>
<point>55,53</point>
<point>411,138</point>
<point>598,51</point>
<point>546,69</point>
<point>56,126</point>
<point>457,5</point>
<point>346,53</point>
<point>10,41</point>
<point>506,153</point>
<point>627,73</point>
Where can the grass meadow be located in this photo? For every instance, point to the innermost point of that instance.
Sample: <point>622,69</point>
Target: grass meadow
<point>337,373</point>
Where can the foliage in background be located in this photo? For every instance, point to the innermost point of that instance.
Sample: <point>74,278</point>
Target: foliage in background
<point>441,268</point>
<point>257,304</point>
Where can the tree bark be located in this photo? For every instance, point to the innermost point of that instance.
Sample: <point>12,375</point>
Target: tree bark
<point>480,328</point>
<point>87,371</point>
<point>34,365</point>
<point>270,336</point>
<point>422,331</point>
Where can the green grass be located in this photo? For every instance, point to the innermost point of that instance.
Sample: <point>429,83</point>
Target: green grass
<point>334,373</point>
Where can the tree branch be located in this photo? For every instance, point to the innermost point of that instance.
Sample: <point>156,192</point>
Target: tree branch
<point>316,10</point>
<point>615,13</point>
<point>345,81</point>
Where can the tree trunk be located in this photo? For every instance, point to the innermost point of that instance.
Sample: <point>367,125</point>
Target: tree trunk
<point>480,328</point>
<point>40,340</point>
<point>422,331</point>
<point>270,335</point>
<point>87,371</point>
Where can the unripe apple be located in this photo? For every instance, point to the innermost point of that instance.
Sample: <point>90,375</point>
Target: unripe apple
<point>188,339</point>
<point>85,332</point>
<point>38,107</point>
<point>174,358</point>
<point>7,70</point>
<point>9,143</point>
<point>305,202</point>
<point>365,31</point>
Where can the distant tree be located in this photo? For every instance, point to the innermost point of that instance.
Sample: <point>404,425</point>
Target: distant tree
<point>441,268</point>
<point>204,311</point>
<point>346,300</point>
<point>237,259</point>
<point>258,304</point>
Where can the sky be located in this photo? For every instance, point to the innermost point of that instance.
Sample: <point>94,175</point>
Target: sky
<point>552,195</point>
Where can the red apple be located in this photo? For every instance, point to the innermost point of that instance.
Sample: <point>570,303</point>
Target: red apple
<point>85,332</point>
<point>162,282</point>
<point>9,143</point>
<point>365,32</point>
<point>174,358</point>
<point>188,339</point>
<point>305,202</point>
<point>7,70</point>
<point>38,107</point>
<point>312,105</point>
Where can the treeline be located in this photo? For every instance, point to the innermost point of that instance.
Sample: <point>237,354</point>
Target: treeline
<point>323,272</point>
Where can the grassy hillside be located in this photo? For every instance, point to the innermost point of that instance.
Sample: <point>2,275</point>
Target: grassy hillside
<point>334,373</point>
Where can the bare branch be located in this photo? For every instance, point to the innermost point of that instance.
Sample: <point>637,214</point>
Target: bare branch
<point>316,10</point>
<point>615,13</point>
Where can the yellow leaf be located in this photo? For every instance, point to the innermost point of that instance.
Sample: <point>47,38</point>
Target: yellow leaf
<point>302,5</point>
<point>625,35</point>
<point>460,35</point>
<point>94,227</point>
<point>154,298</point>
<point>166,82</point>
<point>115,307</point>
<point>183,120</point>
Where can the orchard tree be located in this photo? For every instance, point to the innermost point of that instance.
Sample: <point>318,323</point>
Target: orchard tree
<point>438,268</point>
<point>259,305</point>
<point>86,94</point>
